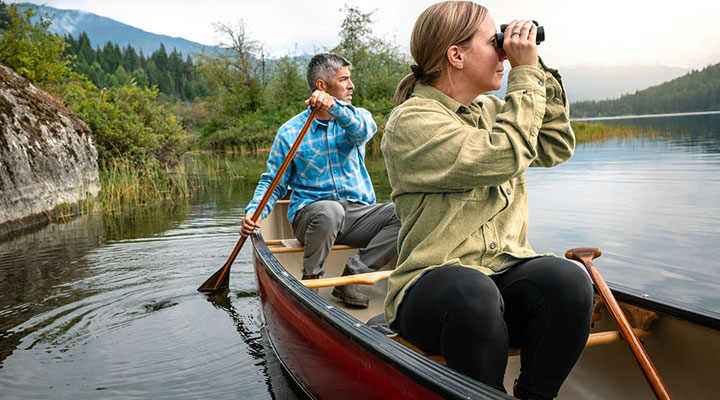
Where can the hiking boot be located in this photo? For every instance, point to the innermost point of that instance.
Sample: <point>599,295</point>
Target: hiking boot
<point>350,294</point>
<point>316,276</point>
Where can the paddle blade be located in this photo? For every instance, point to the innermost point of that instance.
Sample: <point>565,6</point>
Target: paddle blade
<point>219,281</point>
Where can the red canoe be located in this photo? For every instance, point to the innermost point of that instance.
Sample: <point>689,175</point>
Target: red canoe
<point>333,353</point>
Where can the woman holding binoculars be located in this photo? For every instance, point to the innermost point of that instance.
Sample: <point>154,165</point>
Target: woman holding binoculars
<point>468,285</point>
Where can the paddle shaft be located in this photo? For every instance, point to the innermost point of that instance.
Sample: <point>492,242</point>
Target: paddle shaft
<point>585,256</point>
<point>220,280</point>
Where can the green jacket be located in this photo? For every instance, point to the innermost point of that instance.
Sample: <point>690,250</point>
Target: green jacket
<point>458,174</point>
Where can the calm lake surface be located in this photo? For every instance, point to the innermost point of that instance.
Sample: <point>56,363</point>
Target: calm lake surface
<point>107,307</point>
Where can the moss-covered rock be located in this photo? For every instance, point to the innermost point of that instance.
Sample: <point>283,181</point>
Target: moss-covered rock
<point>48,157</point>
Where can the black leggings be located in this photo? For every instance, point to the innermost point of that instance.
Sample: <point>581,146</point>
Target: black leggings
<point>543,306</point>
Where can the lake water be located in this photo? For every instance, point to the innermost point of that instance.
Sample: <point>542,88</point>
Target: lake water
<point>107,307</point>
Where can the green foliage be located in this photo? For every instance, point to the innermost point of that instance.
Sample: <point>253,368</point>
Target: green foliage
<point>251,97</point>
<point>127,123</point>
<point>696,91</point>
<point>4,16</point>
<point>29,49</point>
<point>378,65</point>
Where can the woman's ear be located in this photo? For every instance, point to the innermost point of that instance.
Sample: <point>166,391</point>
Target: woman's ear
<point>455,56</point>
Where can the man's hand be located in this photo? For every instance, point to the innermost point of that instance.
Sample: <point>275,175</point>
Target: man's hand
<point>248,226</point>
<point>321,100</point>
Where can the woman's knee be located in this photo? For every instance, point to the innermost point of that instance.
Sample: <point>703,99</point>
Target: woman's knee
<point>572,287</point>
<point>473,300</point>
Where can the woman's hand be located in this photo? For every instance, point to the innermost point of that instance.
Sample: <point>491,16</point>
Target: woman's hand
<point>519,43</point>
<point>248,226</point>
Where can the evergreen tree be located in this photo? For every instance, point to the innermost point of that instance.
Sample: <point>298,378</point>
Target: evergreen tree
<point>130,59</point>
<point>85,51</point>
<point>141,78</point>
<point>123,77</point>
<point>4,16</point>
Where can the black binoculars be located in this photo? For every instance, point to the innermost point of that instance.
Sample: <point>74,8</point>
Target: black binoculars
<point>499,37</point>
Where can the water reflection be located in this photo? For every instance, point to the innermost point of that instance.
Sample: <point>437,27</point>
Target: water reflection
<point>651,204</point>
<point>108,307</point>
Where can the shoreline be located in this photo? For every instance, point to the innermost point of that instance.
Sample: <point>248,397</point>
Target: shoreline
<point>682,114</point>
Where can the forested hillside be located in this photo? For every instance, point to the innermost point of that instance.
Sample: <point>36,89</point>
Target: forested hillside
<point>696,91</point>
<point>112,66</point>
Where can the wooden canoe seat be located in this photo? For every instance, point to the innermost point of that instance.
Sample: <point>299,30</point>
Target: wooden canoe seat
<point>642,318</point>
<point>595,339</point>
<point>294,246</point>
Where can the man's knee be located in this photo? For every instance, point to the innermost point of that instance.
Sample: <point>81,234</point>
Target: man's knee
<point>327,217</point>
<point>387,212</point>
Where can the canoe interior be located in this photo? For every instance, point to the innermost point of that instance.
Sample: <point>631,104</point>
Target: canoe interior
<point>686,354</point>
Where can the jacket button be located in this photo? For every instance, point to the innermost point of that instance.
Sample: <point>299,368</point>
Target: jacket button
<point>508,191</point>
<point>492,246</point>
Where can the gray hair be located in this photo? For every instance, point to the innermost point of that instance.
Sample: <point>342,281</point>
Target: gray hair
<point>324,66</point>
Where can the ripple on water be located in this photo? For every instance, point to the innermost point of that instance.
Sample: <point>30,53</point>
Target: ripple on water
<point>131,324</point>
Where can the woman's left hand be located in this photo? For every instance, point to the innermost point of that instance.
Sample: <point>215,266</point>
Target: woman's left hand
<point>519,43</point>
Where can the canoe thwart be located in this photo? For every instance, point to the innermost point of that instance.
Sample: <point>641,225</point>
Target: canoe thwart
<point>294,246</point>
<point>362,279</point>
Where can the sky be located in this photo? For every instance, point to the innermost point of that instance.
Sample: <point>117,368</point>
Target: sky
<point>578,32</point>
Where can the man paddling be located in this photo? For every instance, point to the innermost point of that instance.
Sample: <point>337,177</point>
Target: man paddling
<point>332,199</point>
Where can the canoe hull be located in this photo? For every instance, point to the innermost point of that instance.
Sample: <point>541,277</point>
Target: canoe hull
<point>332,355</point>
<point>324,362</point>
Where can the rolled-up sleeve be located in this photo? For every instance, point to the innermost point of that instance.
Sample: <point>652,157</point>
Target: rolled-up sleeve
<point>357,122</point>
<point>556,139</point>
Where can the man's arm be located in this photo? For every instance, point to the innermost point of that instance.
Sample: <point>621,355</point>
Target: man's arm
<point>278,153</point>
<point>357,122</point>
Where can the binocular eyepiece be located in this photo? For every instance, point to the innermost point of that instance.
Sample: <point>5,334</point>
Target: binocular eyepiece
<point>499,37</point>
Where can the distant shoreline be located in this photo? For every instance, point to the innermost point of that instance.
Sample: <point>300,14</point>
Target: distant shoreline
<point>644,116</point>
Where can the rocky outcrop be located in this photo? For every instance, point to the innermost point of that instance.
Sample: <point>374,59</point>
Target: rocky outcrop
<point>48,157</point>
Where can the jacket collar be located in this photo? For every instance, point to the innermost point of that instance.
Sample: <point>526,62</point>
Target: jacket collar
<point>430,92</point>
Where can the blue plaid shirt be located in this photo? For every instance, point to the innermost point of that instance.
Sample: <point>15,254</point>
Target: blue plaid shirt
<point>328,165</point>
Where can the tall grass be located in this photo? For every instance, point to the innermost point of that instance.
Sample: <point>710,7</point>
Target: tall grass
<point>594,132</point>
<point>127,185</point>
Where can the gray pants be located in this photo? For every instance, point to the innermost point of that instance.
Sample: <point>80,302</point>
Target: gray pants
<point>374,228</point>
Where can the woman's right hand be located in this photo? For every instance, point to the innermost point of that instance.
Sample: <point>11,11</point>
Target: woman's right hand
<point>248,226</point>
<point>519,43</point>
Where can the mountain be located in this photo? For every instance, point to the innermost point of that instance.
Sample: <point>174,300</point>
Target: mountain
<point>100,30</point>
<point>589,82</point>
<point>694,91</point>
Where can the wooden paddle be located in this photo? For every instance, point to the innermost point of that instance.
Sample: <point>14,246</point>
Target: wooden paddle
<point>220,280</point>
<point>364,279</point>
<point>585,255</point>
